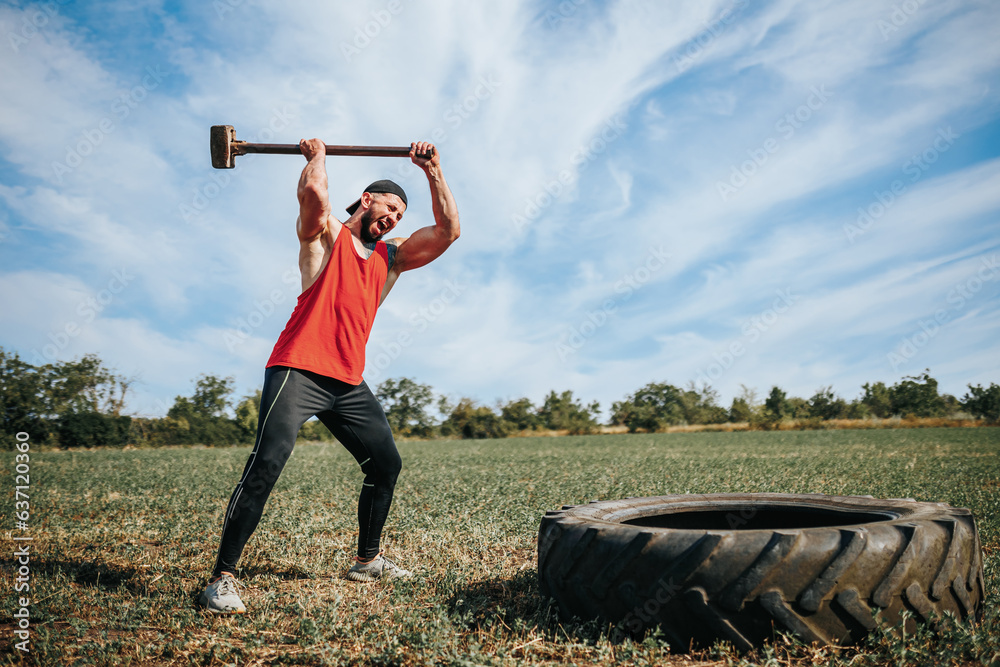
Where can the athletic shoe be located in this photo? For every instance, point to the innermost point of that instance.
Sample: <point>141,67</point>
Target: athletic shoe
<point>222,597</point>
<point>378,568</point>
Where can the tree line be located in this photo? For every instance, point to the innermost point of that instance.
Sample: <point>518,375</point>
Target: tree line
<point>81,403</point>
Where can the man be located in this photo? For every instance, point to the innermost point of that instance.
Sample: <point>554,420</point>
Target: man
<point>316,365</point>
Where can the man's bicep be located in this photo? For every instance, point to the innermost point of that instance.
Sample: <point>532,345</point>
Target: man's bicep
<point>426,245</point>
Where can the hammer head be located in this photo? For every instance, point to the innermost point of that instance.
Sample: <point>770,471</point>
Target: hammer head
<point>222,140</point>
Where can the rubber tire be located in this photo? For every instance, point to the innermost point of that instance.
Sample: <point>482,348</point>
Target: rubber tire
<point>735,567</point>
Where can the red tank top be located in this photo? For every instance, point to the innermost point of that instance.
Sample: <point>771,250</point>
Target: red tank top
<point>332,320</point>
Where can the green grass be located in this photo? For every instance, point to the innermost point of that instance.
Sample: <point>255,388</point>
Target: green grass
<point>124,540</point>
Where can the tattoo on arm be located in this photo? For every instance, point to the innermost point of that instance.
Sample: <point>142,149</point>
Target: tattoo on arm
<point>391,249</point>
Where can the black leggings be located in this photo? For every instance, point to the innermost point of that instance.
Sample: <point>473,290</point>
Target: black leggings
<point>354,416</point>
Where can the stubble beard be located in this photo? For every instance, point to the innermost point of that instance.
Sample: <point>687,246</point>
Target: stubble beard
<point>366,225</point>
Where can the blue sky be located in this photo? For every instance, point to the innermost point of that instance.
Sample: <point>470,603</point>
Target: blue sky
<point>737,192</point>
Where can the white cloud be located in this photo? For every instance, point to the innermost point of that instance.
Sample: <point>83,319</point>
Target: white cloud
<point>646,107</point>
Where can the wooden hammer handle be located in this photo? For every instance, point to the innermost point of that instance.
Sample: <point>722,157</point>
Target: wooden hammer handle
<point>226,148</point>
<point>243,148</point>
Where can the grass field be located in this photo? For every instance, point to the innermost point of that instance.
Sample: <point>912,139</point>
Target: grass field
<point>123,541</point>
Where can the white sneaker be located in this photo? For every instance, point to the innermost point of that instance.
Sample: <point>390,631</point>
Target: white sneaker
<point>222,597</point>
<point>379,567</point>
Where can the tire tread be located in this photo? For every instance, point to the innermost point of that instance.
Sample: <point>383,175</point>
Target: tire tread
<point>821,584</point>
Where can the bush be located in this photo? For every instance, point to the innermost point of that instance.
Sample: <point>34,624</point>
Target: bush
<point>247,413</point>
<point>652,408</point>
<point>521,414</point>
<point>740,410</point>
<point>405,402</point>
<point>92,429</point>
<point>797,408</point>
<point>764,420</point>
<point>22,399</point>
<point>775,406</point>
<point>858,410</point>
<point>468,420</point>
<point>202,419</point>
<point>983,403</point>
<point>877,399</point>
<point>315,431</point>
<point>826,405</point>
<point>700,407</point>
<point>918,396</point>
<point>563,412</point>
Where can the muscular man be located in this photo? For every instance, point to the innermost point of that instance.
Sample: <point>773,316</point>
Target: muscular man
<point>316,365</point>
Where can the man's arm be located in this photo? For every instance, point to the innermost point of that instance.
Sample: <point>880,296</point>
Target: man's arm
<point>427,244</point>
<point>315,224</point>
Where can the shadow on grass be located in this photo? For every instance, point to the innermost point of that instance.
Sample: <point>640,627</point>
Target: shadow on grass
<point>97,574</point>
<point>518,603</point>
<point>514,601</point>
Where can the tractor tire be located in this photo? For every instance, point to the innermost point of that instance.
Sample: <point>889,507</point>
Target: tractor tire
<point>739,567</point>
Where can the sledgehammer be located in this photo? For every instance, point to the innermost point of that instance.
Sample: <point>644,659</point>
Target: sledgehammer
<point>225,148</point>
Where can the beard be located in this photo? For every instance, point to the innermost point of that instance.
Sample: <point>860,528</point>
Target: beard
<point>366,224</point>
